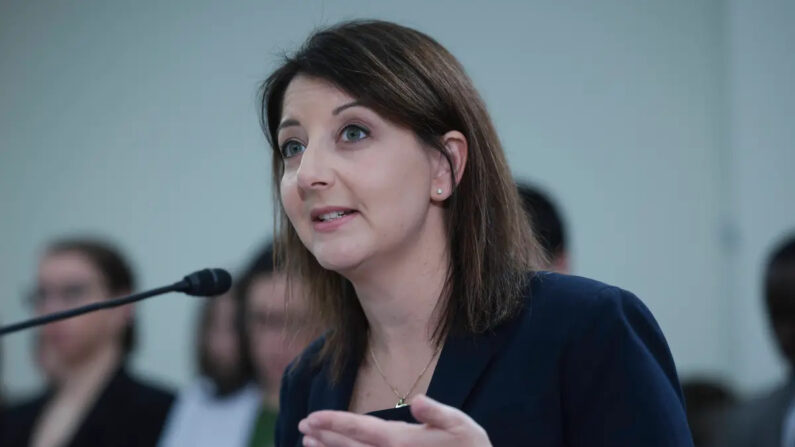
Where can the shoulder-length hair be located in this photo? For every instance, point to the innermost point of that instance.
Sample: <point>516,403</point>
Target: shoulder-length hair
<point>411,80</point>
<point>224,383</point>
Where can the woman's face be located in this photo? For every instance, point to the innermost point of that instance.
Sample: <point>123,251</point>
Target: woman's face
<point>277,327</point>
<point>67,280</point>
<point>355,187</point>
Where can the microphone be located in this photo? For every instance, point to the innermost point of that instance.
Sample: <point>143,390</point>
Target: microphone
<point>207,282</point>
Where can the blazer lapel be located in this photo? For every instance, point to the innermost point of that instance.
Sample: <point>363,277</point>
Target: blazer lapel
<point>463,360</point>
<point>461,363</point>
<point>325,395</point>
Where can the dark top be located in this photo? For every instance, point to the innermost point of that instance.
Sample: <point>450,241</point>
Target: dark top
<point>583,364</point>
<point>127,413</point>
<point>758,422</point>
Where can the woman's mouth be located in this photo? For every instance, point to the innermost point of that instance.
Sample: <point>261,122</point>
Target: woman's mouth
<point>334,215</point>
<point>329,219</point>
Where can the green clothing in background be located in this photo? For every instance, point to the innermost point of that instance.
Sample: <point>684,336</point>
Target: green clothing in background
<point>265,425</point>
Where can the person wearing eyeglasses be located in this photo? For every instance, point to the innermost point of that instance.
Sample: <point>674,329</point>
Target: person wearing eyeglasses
<point>91,398</point>
<point>277,328</point>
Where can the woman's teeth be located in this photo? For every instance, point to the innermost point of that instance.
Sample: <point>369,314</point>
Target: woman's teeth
<point>331,216</point>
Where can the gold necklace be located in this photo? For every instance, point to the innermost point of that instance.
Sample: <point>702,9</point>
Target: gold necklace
<point>402,397</point>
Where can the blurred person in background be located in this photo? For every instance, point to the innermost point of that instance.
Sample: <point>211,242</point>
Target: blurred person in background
<point>2,401</point>
<point>769,420</point>
<point>705,399</point>
<point>548,226</point>
<point>220,407</point>
<point>276,318</point>
<point>91,399</point>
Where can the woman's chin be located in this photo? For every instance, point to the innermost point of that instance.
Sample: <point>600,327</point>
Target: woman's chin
<point>337,260</point>
<point>340,266</point>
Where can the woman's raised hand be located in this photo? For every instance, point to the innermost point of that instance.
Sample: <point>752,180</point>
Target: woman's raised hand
<point>440,425</point>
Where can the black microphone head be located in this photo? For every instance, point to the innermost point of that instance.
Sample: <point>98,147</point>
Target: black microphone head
<point>207,282</point>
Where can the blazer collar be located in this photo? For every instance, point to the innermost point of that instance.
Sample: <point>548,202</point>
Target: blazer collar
<point>461,363</point>
<point>326,395</point>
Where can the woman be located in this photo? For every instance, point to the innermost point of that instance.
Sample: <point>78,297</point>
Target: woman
<point>92,400</point>
<point>398,210</point>
<point>276,332</point>
<point>220,407</point>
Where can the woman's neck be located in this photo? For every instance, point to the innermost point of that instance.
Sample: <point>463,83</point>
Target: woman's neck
<point>399,294</point>
<point>90,375</point>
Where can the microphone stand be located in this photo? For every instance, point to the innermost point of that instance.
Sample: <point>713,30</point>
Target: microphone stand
<point>207,282</point>
<point>44,319</point>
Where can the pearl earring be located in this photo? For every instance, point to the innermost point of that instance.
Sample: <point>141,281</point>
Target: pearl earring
<point>439,191</point>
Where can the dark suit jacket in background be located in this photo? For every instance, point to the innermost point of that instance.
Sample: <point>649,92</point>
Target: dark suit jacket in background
<point>127,413</point>
<point>758,422</point>
<point>584,364</point>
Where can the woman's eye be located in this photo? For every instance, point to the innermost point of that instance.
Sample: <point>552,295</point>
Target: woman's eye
<point>354,133</point>
<point>291,149</point>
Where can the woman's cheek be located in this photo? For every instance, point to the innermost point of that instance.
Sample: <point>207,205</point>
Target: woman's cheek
<point>291,202</point>
<point>289,196</point>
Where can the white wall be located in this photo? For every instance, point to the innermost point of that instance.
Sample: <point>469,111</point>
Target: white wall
<point>137,120</point>
<point>761,66</point>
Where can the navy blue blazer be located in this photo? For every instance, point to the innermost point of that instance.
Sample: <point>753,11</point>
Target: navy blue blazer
<point>583,364</point>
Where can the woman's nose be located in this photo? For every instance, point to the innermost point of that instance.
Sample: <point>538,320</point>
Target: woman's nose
<point>314,170</point>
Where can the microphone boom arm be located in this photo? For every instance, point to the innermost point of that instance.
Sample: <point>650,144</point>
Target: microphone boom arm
<point>207,282</point>
<point>115,302</point>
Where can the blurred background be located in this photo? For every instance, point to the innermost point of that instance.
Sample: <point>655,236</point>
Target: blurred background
<point>665,130</point>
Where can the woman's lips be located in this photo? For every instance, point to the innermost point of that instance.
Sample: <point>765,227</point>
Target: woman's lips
<point>324,223</point>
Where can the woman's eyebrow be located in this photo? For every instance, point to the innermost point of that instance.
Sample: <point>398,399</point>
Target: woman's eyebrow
<point>345,106</point>
<point>292,122</point>
<point>287,123</point>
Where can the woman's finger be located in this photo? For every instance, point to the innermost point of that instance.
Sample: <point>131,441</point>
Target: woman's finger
<point>325,438</point>
<point>436,414</point>
<point>309,441</point>
<point>362,428</point>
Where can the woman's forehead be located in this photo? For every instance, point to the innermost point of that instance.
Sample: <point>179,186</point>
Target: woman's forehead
<point>65,265</point>
<point>305,93</point>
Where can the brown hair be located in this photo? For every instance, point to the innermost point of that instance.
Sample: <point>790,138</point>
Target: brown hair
<point>779,281</point>
<point>244,370</point>
<point>411,80</point>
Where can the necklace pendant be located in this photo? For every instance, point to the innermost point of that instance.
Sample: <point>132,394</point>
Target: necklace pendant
<point>401,403</point>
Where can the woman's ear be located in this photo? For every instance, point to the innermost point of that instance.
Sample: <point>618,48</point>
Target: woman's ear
<point>456,146</point>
